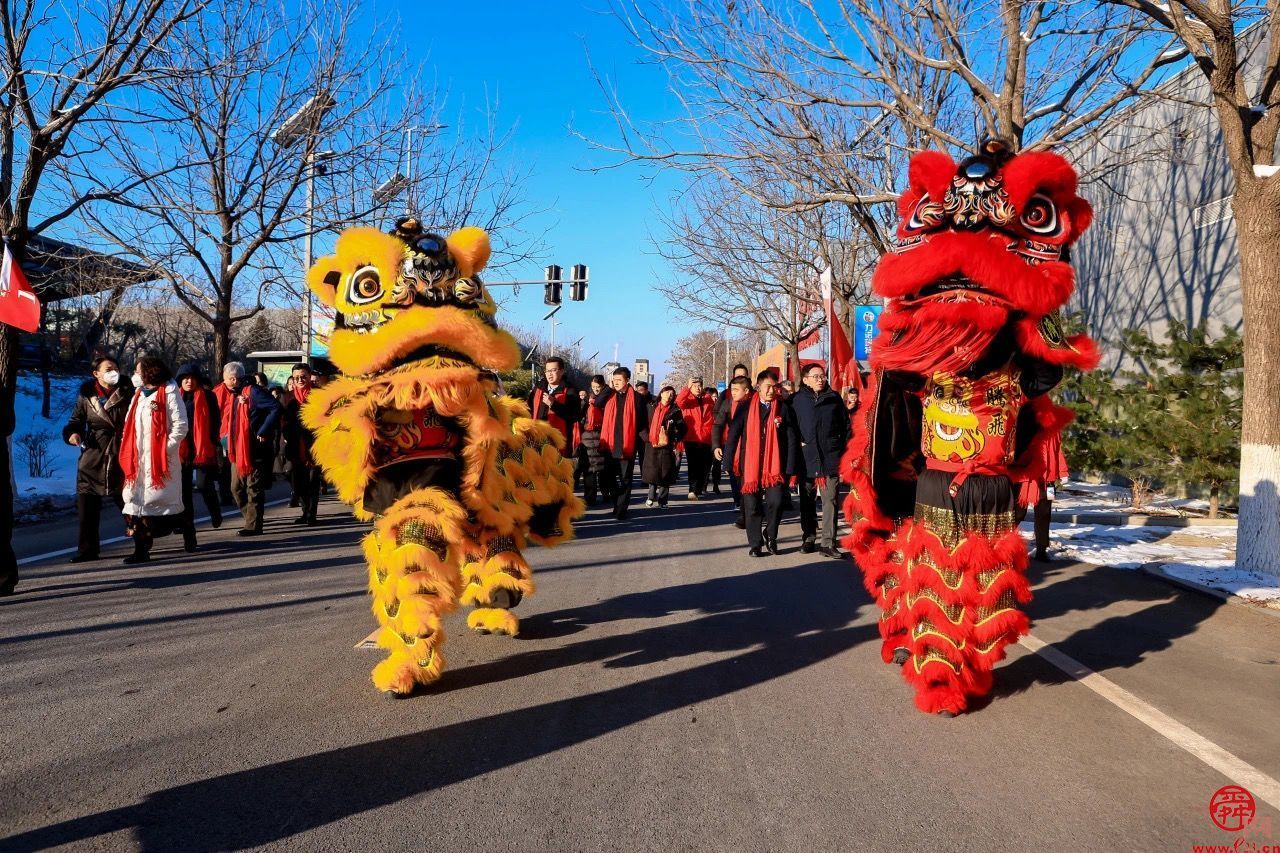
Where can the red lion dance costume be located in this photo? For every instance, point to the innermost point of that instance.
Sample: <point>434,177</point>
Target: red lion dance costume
<point>946,450</point>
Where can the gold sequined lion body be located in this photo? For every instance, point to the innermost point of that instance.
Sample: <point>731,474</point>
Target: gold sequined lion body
<point>415,435</point>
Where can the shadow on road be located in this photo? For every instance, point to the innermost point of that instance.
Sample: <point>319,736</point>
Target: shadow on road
<point>751,614</point>
<point>1118,642</point>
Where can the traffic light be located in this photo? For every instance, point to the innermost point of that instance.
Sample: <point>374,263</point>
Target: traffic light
<point>554,280</point>
<point>578,283</point>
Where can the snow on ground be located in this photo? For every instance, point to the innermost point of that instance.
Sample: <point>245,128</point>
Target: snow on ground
<point>1203,555</point>
<point>38,496</point>
<point>1077,497</point>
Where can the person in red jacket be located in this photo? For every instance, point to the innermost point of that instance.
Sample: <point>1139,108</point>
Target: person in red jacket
<point>699,413</point>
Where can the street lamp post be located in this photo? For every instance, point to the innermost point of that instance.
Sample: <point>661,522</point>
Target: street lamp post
<point>303,125</point>
<point>313,160</point>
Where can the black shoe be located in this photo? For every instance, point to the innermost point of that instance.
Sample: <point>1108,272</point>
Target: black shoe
<point>294,502</point>
<point>135,558</point>
<point>302,519</point>
<point>215,517</point>
<point>833,553</point>
<point>189,541</point>
<point>248,531</point>
<point>7,588</point>
<point>808,546</point>
<point>755,552</point>
<point>773,546</point>
<point>311,521</point>
<point>83,558</point>
<point>740,523</point>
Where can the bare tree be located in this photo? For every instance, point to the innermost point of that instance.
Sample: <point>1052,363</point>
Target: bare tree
<point>227,202</point>
<point>58,71</point>
<point>1222,38</point>
<point>827,99</point>
<point>709,353</point>
<point>744,265</point>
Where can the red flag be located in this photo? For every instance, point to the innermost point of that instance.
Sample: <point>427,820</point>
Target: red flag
<point>841,354</point>
<point>18,303</point>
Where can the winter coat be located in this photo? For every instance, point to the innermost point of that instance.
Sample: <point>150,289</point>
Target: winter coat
<point>140,496</point>
<point>215,420</point>
<point>296,437</point>
<point>720,423</point>
<point>699,413</point>
<point>100,426</point>
<point>824,431</point>
<point>589,440</point>
<point>601,400</point>
<point>788,440</point>
<point>562,410</point>
<point>659,467</point>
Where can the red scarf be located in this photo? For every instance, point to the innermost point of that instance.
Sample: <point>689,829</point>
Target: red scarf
<point>200,442</point>
<point>593,418</point>
<point>159,443</point>
<point>238,434</point>
<point>539,394</point>
<point>609,428</point>
<point>301,393</point>
<point>656,424</point>
<point>761,469</point>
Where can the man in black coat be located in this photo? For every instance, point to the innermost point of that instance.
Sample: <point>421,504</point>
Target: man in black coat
<point>738,391</point>
<point>620,437</point>
<point>304,474</point>
<point>748,452</point>
<point>96,427</point>
<point>824,431</point>
<point>554,400</point>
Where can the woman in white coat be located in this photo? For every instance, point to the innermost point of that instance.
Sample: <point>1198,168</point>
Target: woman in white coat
<point>150,456</point>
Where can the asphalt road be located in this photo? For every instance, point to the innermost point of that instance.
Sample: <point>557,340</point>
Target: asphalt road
<point>666,693</point>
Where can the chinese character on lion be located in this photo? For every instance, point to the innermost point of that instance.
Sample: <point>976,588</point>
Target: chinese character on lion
<point>415,435</point>
<point>948,445</point>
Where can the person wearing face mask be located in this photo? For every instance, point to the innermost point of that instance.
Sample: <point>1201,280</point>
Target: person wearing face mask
<point>151,460</point>
<point>95,427</point>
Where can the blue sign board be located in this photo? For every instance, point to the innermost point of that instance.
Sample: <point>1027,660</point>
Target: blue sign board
<point>866,325</point>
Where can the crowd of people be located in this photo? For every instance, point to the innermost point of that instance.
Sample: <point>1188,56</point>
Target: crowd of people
<point>775,444</point>
<point>150,444</point>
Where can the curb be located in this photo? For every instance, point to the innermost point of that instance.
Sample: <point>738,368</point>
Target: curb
<point>1124,519</point>
<point>1156,570</point>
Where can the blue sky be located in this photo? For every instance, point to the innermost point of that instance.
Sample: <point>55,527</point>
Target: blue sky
<point>534,58</point>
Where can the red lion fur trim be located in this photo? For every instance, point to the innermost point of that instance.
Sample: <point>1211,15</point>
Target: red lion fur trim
<point>983,257</point>
<point>1028,471</point>
<point>929,172</point>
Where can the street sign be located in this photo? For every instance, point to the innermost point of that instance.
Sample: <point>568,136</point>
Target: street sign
<point>866,325</point>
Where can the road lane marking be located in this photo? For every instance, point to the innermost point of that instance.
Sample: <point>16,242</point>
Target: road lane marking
<point>230,513</point>
<point>1235,769</point>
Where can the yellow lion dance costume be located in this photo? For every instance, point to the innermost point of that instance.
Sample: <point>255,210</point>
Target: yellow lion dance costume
<point>416,437</point>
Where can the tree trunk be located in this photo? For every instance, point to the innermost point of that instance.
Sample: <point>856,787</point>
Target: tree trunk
<point>8,394</point>
<point>221,343</point>
<point>1257,211</point>
<point>1215,497</point>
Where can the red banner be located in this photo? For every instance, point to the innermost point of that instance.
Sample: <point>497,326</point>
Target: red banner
<point>19,306</point>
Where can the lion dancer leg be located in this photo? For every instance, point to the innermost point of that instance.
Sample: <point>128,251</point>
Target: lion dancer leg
<point>413,554</point>
<point>966,565</point>
<point>495,578</point>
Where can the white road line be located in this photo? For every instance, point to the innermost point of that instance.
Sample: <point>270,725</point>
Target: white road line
<point>1235,769</point>
<point>230,513</point>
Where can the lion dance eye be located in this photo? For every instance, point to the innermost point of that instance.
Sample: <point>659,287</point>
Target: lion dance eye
<point>366,286</point>
<point>1040,216</point>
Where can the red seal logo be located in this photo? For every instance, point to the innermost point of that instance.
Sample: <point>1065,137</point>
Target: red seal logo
<point>1232,808</point>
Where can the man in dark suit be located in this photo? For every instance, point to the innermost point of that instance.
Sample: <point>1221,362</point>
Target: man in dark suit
<point>624,419</point>
<point>762,450</point>
<point>555,401</point>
